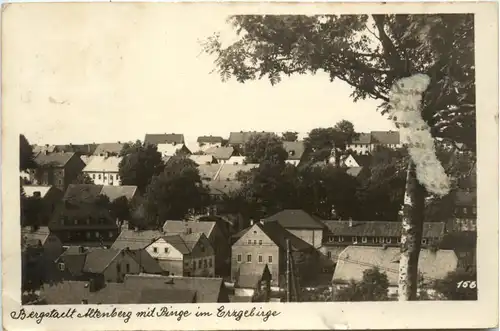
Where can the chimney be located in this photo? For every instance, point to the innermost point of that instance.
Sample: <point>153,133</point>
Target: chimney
<point>252,222</point>
<point>350,222</point>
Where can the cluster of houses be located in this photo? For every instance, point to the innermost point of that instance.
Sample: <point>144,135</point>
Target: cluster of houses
<point>87,256</point>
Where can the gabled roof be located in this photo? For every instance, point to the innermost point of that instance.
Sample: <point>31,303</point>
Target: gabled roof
<point>223,187</point>
<point>82,193</point>
<point>99,259</point>
<point>184,243</point>
<point>356,259</point>
<point>111,148</point>
<point>209,139</point>
<point>362,160</point>
<point>30,190</point>
<point>115,192</point>
<point>148,264</point>
<point>279,235</point>
<point>294,149</point>
<point>380,229</point>
<point>164,138</point>
<point>185,227</point>
<point>385,137</point>
<point>207,289</point>
<point>202,159</point>
<point>249,275</point>
<point>135,239</point>
<point>208,171</point>
<point>86,158</point>
<point>170,149</point>
<point>243,136</point>
<point>295,219</point>
<point>103,164</point>
<point>53,160</point>
<point>363,138</point>
<point>84,149</point>
<point>229,171</point>
<point>220,153</point>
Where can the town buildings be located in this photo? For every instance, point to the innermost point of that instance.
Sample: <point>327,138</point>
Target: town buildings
<point>206,142</point>
<point>56,169</point>
<point>366,143</point>
<point>221,154</point>
<point>164,138</point>
<point>49,198</point>
<point>296,152</point>
<point>108,149</point>
<point>103,170</point>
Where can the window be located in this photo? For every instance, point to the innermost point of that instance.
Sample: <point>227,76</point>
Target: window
<point>60,181</point>
<point>260,259</point>
<point>239,258</point>
<point>155,249</point>
<point>355,240</point>
<point>105,177</point>
<point>61,266</point>
<point>249,242</point>
<point>205,264</point>
<point>117,177</point>
<point>249,258</point>
<point>260,242</point>
<point>87,235</point>
<point>127,267</point>
<point>331,239</point>
<point>99,176</point>
<point>399,240</point>
<point>388,240</point>
<point>465,210</point>
<point>199,263</point>
<point>329,254</point>
<point>474,210</point>
<point>93,176</point>
<point>255,242</point>
<point>424,241</point>
<point>341,239</point>
<point>165,250</point>
<point>202,248</point>
<point>97,235</point>
<point>194,265</point>
<point>364,240</point>
<point>270,259</point>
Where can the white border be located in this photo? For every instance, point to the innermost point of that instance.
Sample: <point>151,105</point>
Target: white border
<point>352,315</point>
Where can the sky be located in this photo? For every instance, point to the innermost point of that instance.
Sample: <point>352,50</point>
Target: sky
<point>77,73</point>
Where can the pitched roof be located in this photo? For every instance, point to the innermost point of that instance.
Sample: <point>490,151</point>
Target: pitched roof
<point>184,227</point>
<point>356,259</point>
<point>55,160</point>
<point>103,163</point>
<point>208,171</point>
<point>223,187</point>
<point>385,137</point>
<point>243,136</point>
<point>111,148</point>
<point>464,198</point>
<point>99,259</point>
<point>220,153</point>
<point>82,193</point>
<point>86,158</point>
<point>184,243</point>
<point>30,190</point>
<point>363,138</point>
<point>362,160</point>
<point>164,138</point>
<point>85,149</point>
<point>135,239</point>
<point>147,262</point>
<point>202,159</point>
<point>249,275</point>
<point>279,235</point>
<point>209,139</point>
<point>167,296</point>
<point>115,192</point>
<point>295,219</point>
<point>294,149</point>
<point>41,148</point>
<point>354,171</point>
<point>377,228</point>
<point>33,238</point>
<point>229,171</point>
<point>207,289</point>
<point>170,149</point>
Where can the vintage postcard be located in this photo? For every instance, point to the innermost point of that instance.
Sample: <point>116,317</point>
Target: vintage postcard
<point>249,166</point>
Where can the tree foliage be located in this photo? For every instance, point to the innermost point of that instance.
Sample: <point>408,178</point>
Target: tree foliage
<point>120,208</point>
<point>175,191</point>
<point>373,287</point>
<point>449,287</point>
<point>322,141</point>
<point>83,178</point>
<point>264,147</point>
<point>289,136</point>
<point>368,52</point>
<point>139,164</point>
<point>26,156</point>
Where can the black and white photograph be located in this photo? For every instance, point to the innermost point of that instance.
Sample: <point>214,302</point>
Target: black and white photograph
<point>169,158</point>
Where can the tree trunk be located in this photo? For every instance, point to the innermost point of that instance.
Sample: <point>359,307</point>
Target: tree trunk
<point>412,216</point>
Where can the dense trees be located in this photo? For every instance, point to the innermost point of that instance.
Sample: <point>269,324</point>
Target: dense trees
<point>370,53</point>
<point>458,285</point>
<point>265,147</point>
<point>26,157</point>
<point>83,178</point>
<point>373,287</point>
<point>139,164</point>
<point>289,136</point>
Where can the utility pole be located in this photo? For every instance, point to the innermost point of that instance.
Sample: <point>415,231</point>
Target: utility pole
<point>288,274</point>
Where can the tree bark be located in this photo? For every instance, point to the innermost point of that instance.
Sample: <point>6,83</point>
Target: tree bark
<point>412,217</point>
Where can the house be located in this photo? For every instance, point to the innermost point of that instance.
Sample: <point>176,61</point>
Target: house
<point>361,145</point>
<point>208,172</point>
<point>42,237</point>
<point>253,281</point>
<point>115,192</point>
<point>47,149</point>
<point>389,139</point>
<point>50,197</point>
<point>109,149</point>
<point>184,254</point>
<point>230,171</point>
<point>236,160</point>
<point>265,243</point>
<point>80,149</point>
<point>238,139</point>
<point>306,227</point>
<point>353,160</point>
<point>173,149</point>
<point>103,170</point>
<point>56,169</point>
<point>465,212</point>
<point>295,151</point>
<point>205,142</point>
<point>135,239</point>
<point>215,231</point>
<point>354,260</point>
<point>164,138</point>
<point>203,159</point>
<point>81,220</point>
<point>137,289</point>
<point>86,158</point>
<point>221,154</point>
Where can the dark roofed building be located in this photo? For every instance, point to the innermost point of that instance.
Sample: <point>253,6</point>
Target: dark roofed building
<point>135,239</point>
<point>221,154</point>
<point>238,139</point>
<point>164,138</point>
<point>109,149</point>
<point>56,169</point>
<point>307,227</point>
<point>386,138</point>
<point>295,151</point>
<point>115,192</point>
<point>211,140</point>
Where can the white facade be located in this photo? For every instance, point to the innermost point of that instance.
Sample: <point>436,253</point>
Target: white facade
<point>162,250</point>
<point>205,146</point>
<point>360,148</point>
<point>236,160</point>
<point>350,162</point>
<point>104,170</point>
<point>293,162</point>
